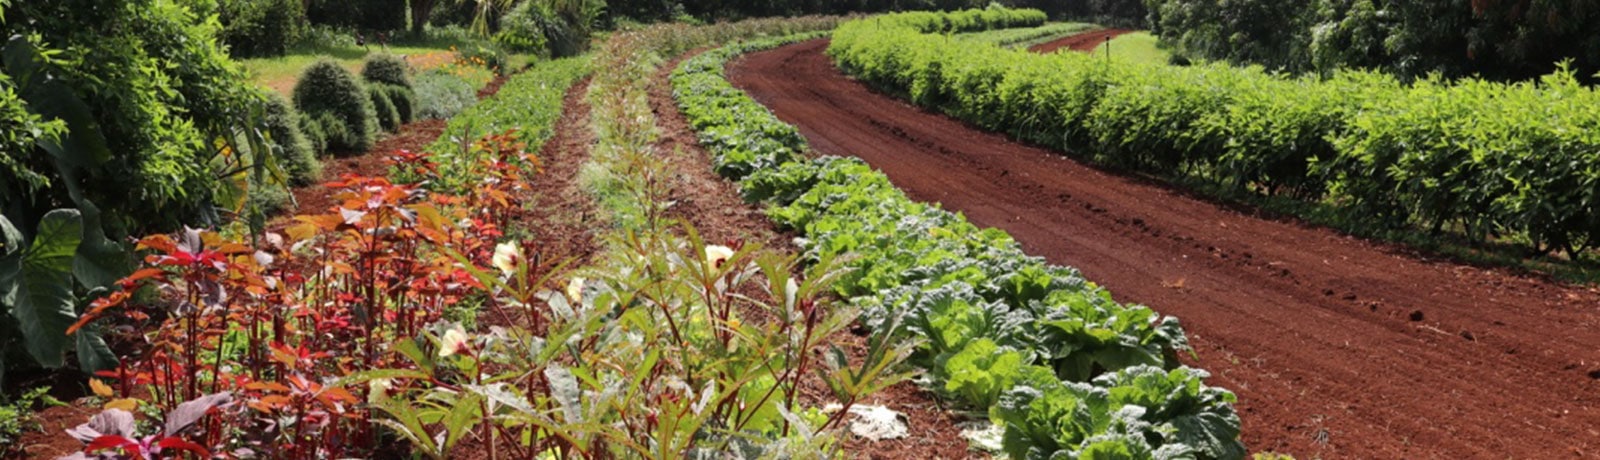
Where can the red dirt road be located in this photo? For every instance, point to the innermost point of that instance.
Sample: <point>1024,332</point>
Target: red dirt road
<point>1337,347</point>
<point>1087,41</point>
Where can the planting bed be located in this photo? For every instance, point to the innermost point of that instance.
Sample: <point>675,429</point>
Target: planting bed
<point>1337,347</point>
<point>1087,41</point>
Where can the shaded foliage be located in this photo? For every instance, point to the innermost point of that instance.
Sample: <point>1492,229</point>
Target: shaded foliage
<point>1494,39</point>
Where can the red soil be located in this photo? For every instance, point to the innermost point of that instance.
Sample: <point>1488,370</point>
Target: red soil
<point>1337,347</point>
<point>1087,41</point>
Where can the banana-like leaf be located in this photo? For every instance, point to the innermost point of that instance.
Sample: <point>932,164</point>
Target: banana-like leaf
<point>93,353</point>
<point>100,262</point>
<point>45,306</point>
<point>11,246</point>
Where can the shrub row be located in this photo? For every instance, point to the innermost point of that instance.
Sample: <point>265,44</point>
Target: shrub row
<point>1489,159</point>
<point>1060,365</point>
<point>342,113</point>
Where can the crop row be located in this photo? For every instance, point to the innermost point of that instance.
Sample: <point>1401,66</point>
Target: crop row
<point>1063,368</point>
<point>1488,159</point>
<point>528,103</point>
<point>1027,36</point>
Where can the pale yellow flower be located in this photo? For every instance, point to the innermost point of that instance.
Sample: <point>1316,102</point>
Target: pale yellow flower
<point>454,341</point>
<point>716,255</point>
<point>575,289</point>
<point>506,257</point>
<point>378,388</point>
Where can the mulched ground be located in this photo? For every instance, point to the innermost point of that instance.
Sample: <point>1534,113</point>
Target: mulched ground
<point>1087,41</point>
<point>1337,347</point>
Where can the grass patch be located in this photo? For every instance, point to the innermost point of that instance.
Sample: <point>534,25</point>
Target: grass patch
<point>279,73</point>
<point>1136,47</point>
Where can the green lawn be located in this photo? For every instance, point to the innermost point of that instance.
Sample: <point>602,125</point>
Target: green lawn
<point>1136,46</point>
<point>280,73</point>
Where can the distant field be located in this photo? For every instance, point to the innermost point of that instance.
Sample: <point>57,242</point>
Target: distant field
<point>280,73</point>
<point>1136,46</point>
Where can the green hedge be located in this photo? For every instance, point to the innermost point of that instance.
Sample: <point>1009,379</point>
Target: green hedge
<point>1056,361</point>
<point>1486,158</point>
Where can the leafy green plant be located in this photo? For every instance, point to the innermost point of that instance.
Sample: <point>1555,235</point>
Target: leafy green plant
<point>254,28</point>
<point>994,320</point>
<point>1139,412</point>
<point>528,105</point>
<point>326,89</point>
<point>16,418</point>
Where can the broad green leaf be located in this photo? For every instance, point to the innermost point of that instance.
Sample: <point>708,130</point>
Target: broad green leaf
<point>93,353</point>
<point>11,247</point>
<point>45,305</point>
<point>100,262</point>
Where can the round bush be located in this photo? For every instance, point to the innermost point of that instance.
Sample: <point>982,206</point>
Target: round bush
<point>334,130</point>
<point>294,152</point>
<point>313,133</point>
<point>442,95</point>
<point>388,69</point>
<point>404,100</point>
<point>388,117</point>
<point>328,89</point>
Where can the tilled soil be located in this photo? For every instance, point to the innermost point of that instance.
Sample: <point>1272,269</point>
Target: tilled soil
<point>699,196</point>
<point>1337,347</point>
<point>713,205</point>
<point>1087,41</point>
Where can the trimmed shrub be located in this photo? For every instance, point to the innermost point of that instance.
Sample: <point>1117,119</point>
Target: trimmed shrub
<point>328,89</point>
<point>388,117</point>
<point>442,95</point>
<point>294,152</point>
<point>386,68</point>
<point>334,130</point>
<point>312,132</point>
<point>405,102</point>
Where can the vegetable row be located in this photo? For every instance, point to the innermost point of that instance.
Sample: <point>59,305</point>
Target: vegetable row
<point>1063,368</point>
<point>1487,159</point>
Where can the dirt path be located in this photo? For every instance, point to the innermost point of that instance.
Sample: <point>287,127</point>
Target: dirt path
<point>1087,41</point>
<point>1337,347</point>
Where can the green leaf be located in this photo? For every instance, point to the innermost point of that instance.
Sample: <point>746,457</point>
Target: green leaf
<point>84,144</point>
<point>100,262</point>
<point>45,302</point>
<point>93,353</point>
<point>1213,433</point>
<point>11,244</point>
